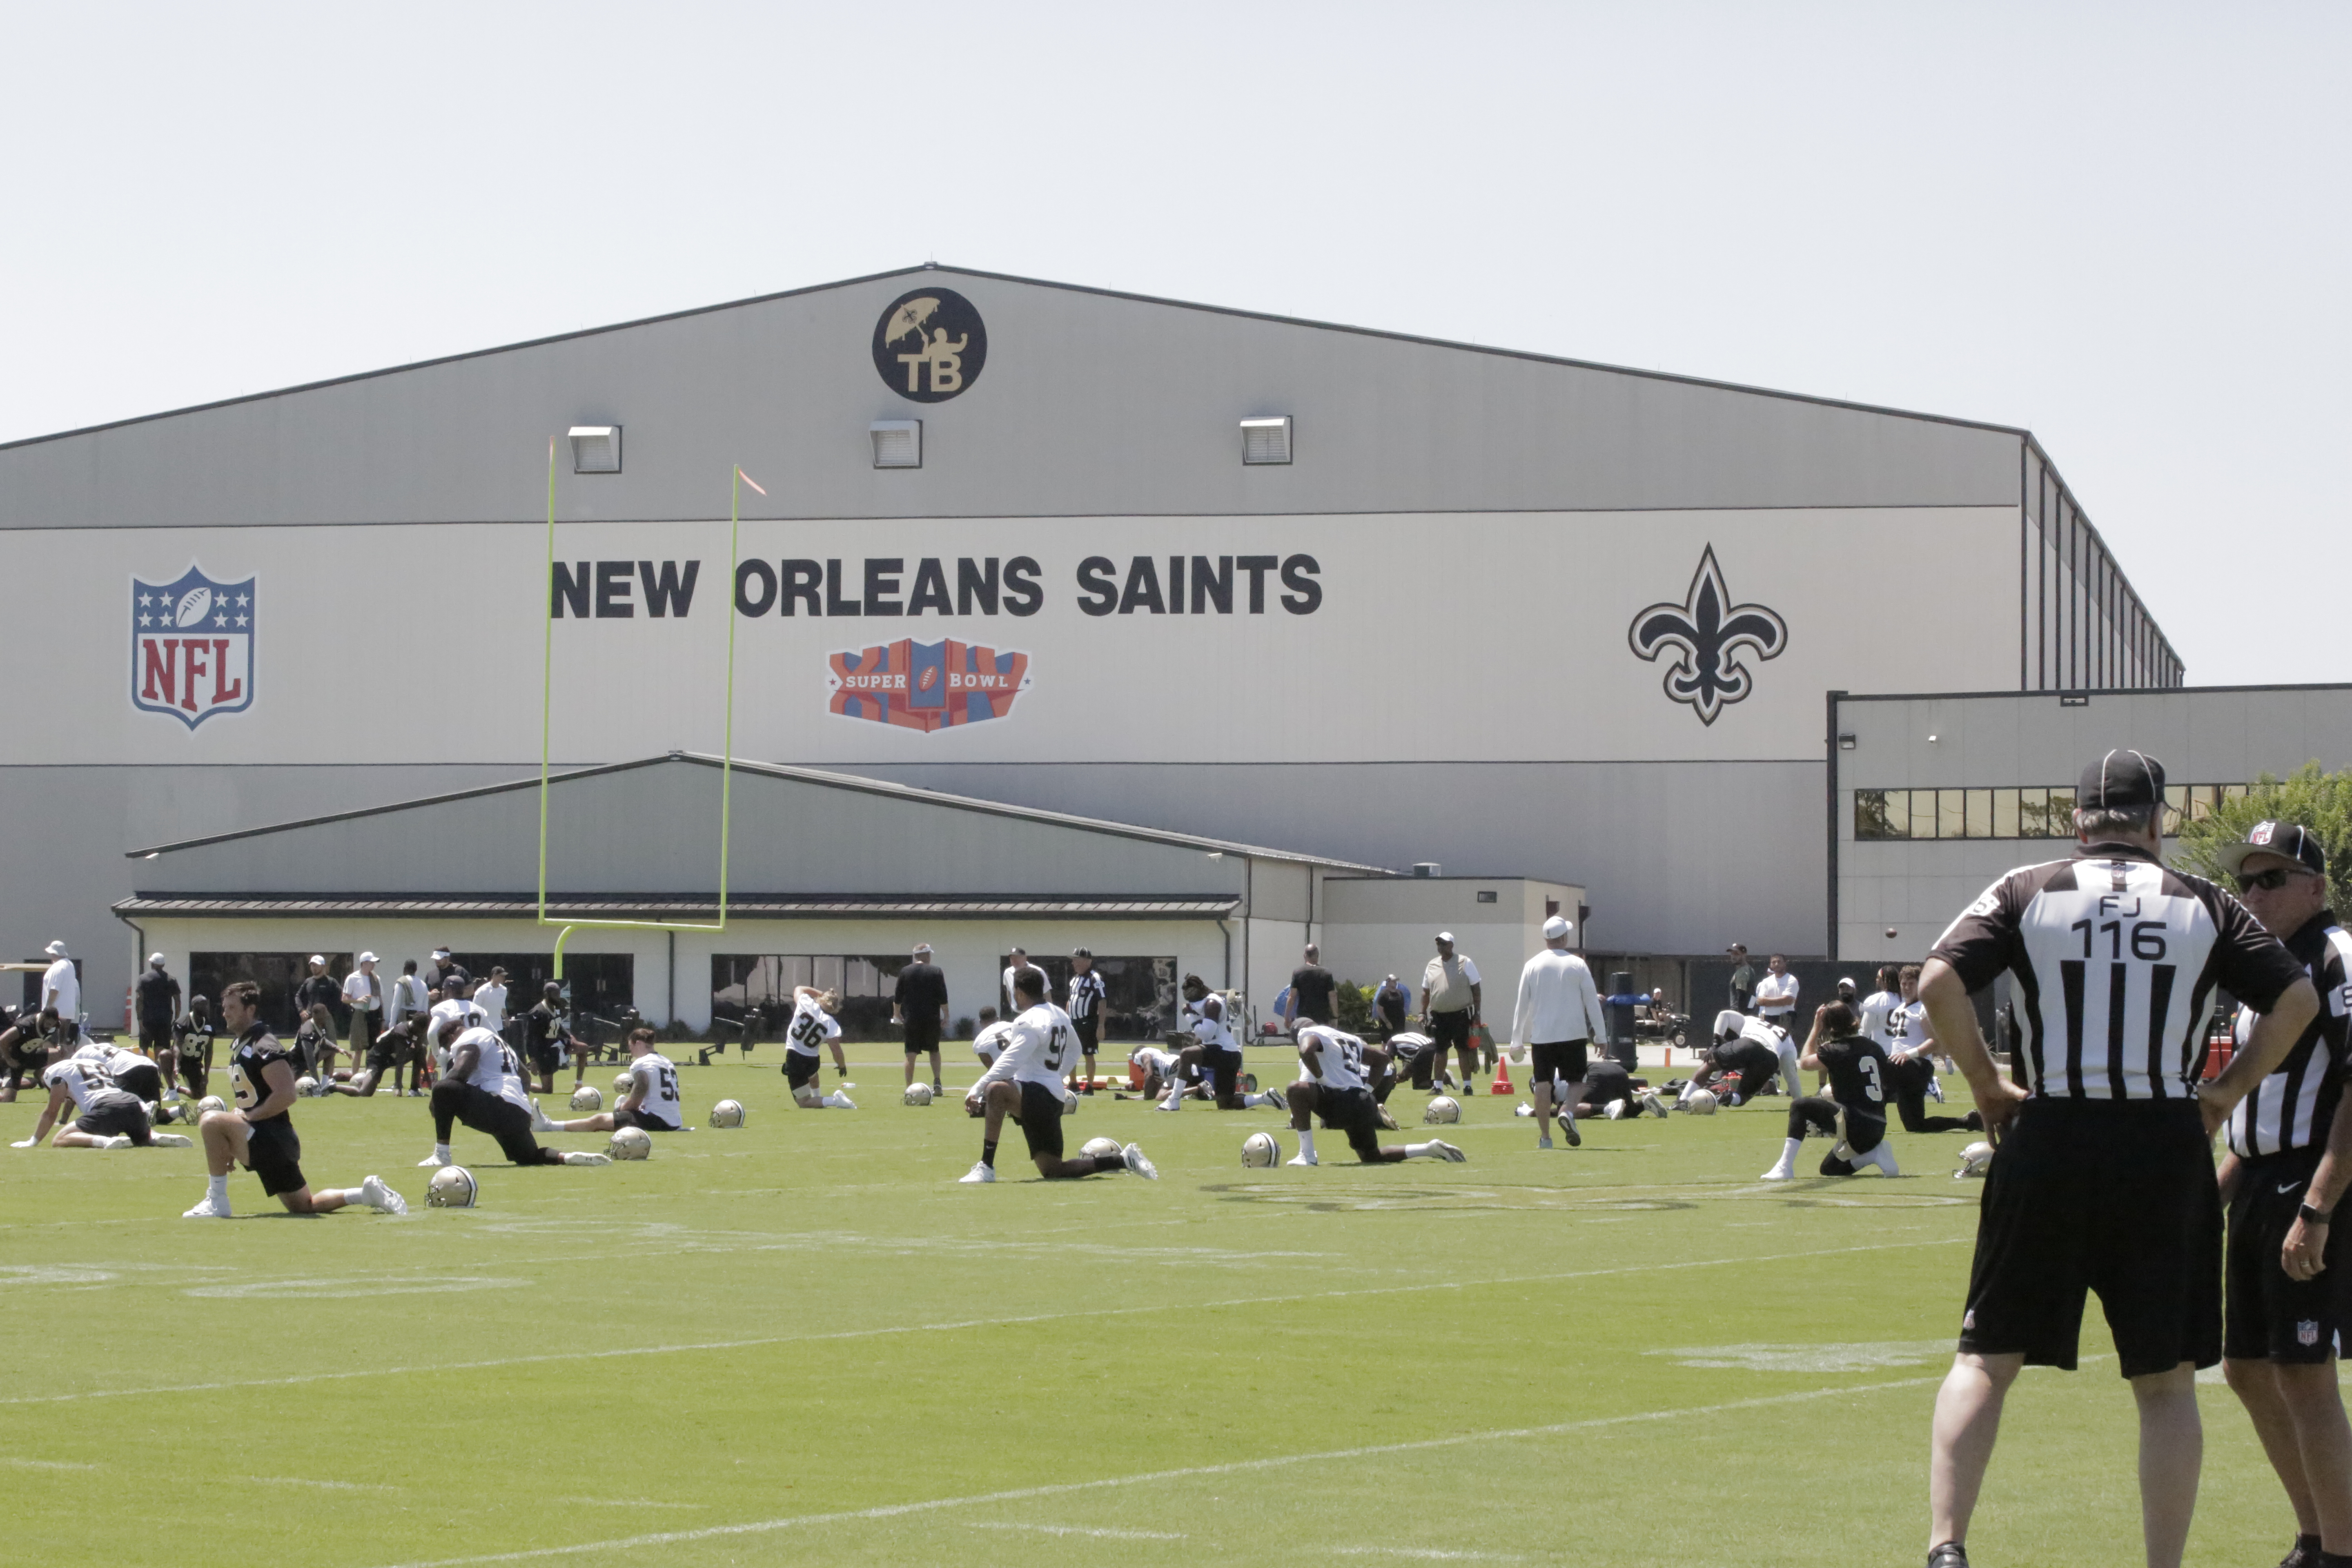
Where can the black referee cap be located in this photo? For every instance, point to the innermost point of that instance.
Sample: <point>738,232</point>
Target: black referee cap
<point>2121,780</point>
<point>2287,840</point>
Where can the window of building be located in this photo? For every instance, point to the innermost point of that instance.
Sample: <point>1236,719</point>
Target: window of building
<point>600,985</point>
<point>754,990</point>
<point>2032,811</point>
<point>1139,994</point>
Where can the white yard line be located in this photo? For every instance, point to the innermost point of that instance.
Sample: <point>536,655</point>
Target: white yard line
<point>1241,1466</point>
<point>559,1356</point>
<point>1075,1529</point>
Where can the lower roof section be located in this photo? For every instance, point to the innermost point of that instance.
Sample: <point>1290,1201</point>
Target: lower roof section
<point>524,906</point>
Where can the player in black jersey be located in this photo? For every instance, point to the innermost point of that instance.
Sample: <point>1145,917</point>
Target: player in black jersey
<point>258,1134</point>
<point>24,1049</point>
<point>2288,1273</point>
<point>195,1047</point>
<point>1857,1073</point>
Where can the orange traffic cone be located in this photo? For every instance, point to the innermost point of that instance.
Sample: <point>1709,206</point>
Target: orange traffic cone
<point>1502,1084</point>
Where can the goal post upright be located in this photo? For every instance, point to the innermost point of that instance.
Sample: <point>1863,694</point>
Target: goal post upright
<point>737,479</point>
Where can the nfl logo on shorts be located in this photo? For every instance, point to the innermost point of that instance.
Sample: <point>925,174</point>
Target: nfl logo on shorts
<point>2307,1332</point>
<point>191,647</point>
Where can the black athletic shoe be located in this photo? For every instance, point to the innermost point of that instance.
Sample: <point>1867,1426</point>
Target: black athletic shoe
<point>2305,1553</point>
<point>1951,1554</point>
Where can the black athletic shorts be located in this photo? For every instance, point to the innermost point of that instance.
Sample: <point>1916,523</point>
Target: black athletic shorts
<point>1449,1029</point>
<point>1756,1066</point>
<point>1354,1113</point>
<point>116,1114</point>
<point>144,1080</point>
<point>2272,1317</point>
<point>274,1152</point>
<point>800,1069</point>
<point>638,1118</point>
<point>389,1052</point>
<point>1223,1068</point>
<point>545,1059</point>
<point>1567,1058</point>
<point>503,1119</point>
<point>1089,1034</point>
<point>1041,1118</point>
<point>2106,1196</point>
<point>923,1034</point>
<point>154,1037</point>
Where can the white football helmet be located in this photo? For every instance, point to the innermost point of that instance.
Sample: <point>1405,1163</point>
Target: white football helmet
<point>1699,1103</point>
<point>209,1104</point>
<point>1069,1102</point>
<point>621,1084</point>
<point>919,1094</point>
<point>727,1113</point>
<point>1976,1159</point>
<point>630,1143</point>
<point>1444,1112</point>
<point>587,1097</point>
<point>1260,1151</point>
<point>1101,1148</point>
<point>307,1087</point>
<point>452,1187</point>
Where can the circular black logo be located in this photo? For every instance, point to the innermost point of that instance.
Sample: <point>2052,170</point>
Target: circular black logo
<point>929,344</point>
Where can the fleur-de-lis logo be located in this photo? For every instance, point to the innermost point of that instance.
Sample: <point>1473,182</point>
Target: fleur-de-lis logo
<point>1708,630</point>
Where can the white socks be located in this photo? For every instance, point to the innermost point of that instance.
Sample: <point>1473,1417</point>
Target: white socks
<point>216,1189</point>
<point>441,1153</point>
<point>1421,1150</point>
<point>1882,1157</point>
<point>1789,1151</point>
<point>1175,1100</point>
<point>1254,1100</point>
<point>1306,1141</point>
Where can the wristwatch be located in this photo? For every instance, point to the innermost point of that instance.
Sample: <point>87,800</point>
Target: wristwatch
<point>2310,1216</point>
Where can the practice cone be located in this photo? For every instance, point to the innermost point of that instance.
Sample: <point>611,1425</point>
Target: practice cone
<point>1502,1084</point>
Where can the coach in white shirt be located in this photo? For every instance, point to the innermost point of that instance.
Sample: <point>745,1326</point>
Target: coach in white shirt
<point>364,995</point>
<point>1558,1019</point>
<point>61,990</point>
<point>491,997</point>
<point>1776,996</point>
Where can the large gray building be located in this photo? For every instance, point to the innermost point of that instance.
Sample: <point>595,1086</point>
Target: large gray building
<point>1374,599</point>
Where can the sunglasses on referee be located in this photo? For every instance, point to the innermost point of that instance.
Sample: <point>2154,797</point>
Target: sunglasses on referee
<point>2272,881</point>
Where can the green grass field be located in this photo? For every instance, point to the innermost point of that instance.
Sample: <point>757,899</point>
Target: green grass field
<point>803,1342</point>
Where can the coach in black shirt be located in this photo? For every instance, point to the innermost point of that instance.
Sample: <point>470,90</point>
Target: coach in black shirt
<point>920,1003</point>
<point>2288,1290</point>
<point>2104,1179</point>
<point>1311,986</point>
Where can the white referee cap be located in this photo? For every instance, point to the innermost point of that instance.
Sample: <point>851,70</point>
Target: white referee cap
<point>366,958</point>
<point>155,961</point>
<point>1555,928</point>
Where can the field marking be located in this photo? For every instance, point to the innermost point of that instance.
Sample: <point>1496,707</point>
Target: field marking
<point>344,1290</point>
<point>45,1464</point>
<point>1428,1554</point>
<point>623,1503</point>
<point>324,1486</point>
<point>1076,1530</point>
<point>766,1339</point>
<point>1875,1356</point>
<point>1189,1472</point>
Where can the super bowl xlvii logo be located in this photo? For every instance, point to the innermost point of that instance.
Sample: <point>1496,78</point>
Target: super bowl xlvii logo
<point>928,685</point>
<point>191,647</point>
<point>1707,630</point>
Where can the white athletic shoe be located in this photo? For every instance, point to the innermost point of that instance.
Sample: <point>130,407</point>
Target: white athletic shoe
<point>1934,1088</point>
<point>982,1172</point>
<point>539,1120</point>
<point>436,1158</point>
<point>1777,1175</point>
<point>1616,1112</point>
<point>381,1198</point>
<point>586,1157</point>
<point>119,1141</point>
<point>1274,1097</point>
<point>209,1210</point>
<point>1169,1105</point>
<point>1447,1151</point>
<point>173,1141</point>
<point>1302,1160</point>
<point>1138,1162</point>
<point>1524,1110</point>
<point>1653,1105</point>
<point>840,1102</point>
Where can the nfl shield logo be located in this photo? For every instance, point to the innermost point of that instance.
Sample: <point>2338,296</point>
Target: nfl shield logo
<point>2307,1332</point>
<point>191,647</point>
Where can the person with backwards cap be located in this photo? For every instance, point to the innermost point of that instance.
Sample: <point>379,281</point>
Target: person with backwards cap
<point>2102,1178</point>
<point>1558,1019</point>
<point>158,1001</point>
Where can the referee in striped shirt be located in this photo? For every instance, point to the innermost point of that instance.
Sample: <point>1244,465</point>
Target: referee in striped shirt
<point>2105,1176</point>
<point>2290,1160</point>
<point>1085,1007</point>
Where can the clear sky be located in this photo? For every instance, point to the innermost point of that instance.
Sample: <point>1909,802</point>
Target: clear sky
<point>2124,227</point>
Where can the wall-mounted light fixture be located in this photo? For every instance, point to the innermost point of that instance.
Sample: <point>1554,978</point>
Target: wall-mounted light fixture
<point>595,448</point>
<point>897,442</point>
<point>1266,440</point>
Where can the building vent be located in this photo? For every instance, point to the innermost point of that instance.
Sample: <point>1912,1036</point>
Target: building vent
<point>595,448</point>
<point>897,442</point>
<point>1266,440</point>
<point>1424,867</point>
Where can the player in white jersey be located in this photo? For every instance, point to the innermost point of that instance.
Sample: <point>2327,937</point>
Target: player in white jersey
<point>483,1086</point>
<point>1337,1085</point>
<point>1877,1009</point>
<point>651,1103</point>
<point>813,1025</point>
<point>1160,1067</point>
<point>989,1041</point>
<point>1026,1083</point>
<point>107,1115</point>
<point>1216,1058</point>
<point>1758,1051</point>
